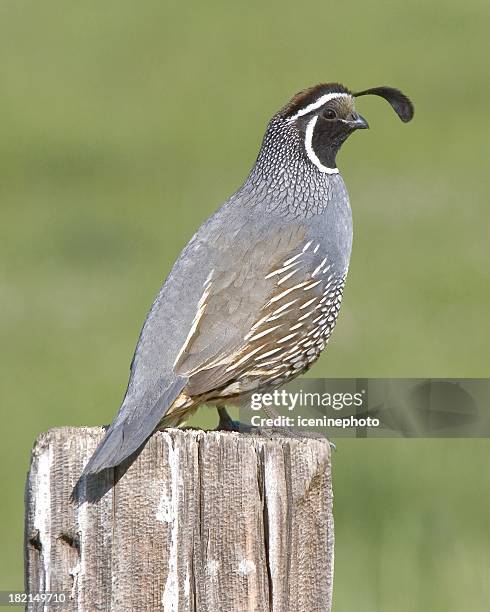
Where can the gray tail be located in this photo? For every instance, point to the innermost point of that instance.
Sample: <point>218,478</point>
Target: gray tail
<point>130,429</point>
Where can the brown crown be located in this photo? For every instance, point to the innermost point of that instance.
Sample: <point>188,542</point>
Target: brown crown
<point>309,95</point>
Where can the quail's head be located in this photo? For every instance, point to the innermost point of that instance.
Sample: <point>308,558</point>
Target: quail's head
<point>325,115</point>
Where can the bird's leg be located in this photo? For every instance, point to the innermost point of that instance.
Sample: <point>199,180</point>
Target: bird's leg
<point>225,420</point>
<point>226,423</point>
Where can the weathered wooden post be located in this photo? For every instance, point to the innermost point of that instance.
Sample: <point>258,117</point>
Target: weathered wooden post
<point>200,522</point>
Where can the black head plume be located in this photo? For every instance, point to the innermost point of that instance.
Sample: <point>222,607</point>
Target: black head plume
<point>398,100</point>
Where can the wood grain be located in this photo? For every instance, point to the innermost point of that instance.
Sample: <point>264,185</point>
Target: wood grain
<point>199,522</point>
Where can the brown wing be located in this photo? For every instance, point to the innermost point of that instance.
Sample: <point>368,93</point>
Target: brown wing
<point>258,318</point>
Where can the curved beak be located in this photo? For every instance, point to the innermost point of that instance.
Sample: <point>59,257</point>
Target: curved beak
<point>358,123</point>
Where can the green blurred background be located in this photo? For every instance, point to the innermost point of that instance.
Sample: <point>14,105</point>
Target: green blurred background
<point>124,125</point>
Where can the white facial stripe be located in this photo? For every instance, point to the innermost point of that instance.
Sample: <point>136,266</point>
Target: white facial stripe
<point>320,102</point>
<point>309,148</point>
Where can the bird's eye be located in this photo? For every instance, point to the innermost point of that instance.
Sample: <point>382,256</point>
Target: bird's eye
<point>330,114</point>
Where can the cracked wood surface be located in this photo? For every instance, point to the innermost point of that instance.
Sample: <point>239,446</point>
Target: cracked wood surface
<point>199,522</point>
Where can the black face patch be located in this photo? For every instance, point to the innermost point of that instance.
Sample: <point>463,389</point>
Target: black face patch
<point>328,136</point>
<point>326,127</point>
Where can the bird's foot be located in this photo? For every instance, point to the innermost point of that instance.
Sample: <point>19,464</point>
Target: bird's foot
<point>226,423</point>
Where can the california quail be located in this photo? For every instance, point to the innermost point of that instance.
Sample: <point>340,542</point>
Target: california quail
<point>254,296</point>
